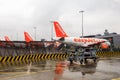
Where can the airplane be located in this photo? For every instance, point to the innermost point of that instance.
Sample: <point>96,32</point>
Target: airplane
<point>27,37</point>
<point>14,43</point>
<point>31,42</point>
<point>62,37</point>
<point>2,43</point>
<point>9,42</point>
<point>25,43</point>
<point>47,44</point>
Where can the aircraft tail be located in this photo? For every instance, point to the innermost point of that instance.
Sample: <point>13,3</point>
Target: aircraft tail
<point>7,38</point>
<point>58,30</point>
<point>27,37</point>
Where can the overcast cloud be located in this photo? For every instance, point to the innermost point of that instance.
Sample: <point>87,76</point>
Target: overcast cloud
<point>17,16</point>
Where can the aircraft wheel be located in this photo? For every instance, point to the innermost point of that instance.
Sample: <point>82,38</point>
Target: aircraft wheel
<point>81,61</point>
<point>95,60</point>
<point>85,61</point>
<point>71,61</point>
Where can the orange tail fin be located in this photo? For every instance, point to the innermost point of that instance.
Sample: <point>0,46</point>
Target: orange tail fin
<point>58,30</point>
<point>27,37</point>
<point>7,38</point>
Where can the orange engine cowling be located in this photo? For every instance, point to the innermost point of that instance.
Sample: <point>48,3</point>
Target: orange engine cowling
<point>104,45</point>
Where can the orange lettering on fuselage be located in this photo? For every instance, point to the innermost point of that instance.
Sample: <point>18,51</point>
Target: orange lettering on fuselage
<point>86,40</point>
<point>77,40</point>
<point>82,40</point>
<point>90,40</point>
<point>94,40</point>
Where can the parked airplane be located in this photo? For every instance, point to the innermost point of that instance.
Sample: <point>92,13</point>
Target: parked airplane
<point>9,42</point>
<point>2,44</point>
<point>27,37</point>
<point>29,40</point>
<point>62,37</point>
<point>47,44</point>
<point>14,43</point>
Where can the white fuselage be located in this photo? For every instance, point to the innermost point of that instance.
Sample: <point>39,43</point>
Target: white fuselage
<point>83,42</point>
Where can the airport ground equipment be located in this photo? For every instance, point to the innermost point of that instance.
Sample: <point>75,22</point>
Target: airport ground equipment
<point>83,56</point>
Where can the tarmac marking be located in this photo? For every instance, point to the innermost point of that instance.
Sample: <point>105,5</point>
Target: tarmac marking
<point>22,74</point>
<point>116,79</point>
<point>114,58</point>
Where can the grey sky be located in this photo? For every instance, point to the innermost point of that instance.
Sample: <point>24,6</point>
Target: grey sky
<point>17,16</point>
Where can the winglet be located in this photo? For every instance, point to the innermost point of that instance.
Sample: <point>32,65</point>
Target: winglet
<point>58,30</point>
<point>27,37</point>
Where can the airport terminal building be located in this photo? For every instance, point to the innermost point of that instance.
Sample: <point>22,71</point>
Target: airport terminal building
<point>114,38</point>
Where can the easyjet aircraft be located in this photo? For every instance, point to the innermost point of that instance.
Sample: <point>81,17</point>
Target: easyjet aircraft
<point>28,39</point>
<point>62,37</point>
<point>47,44</point>
<point>15,43</point>
<point>9,42</point>
<point>2,44</point>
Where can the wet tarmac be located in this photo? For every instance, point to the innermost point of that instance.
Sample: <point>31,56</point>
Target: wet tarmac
<point>105,69</point>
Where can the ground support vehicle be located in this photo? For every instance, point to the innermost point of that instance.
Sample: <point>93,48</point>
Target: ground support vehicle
<point>83,57</point>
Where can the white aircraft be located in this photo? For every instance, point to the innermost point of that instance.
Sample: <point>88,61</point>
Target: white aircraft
<point>28,39</point>
<point>62,37</point>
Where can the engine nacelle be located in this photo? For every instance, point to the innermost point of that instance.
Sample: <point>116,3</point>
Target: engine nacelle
<point>105,45</point>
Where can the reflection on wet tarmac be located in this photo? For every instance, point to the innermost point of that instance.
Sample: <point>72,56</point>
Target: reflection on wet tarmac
<point>27,69</point>
<point>62,70</point>
<point>84,69</point>
<point>58,71</point>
